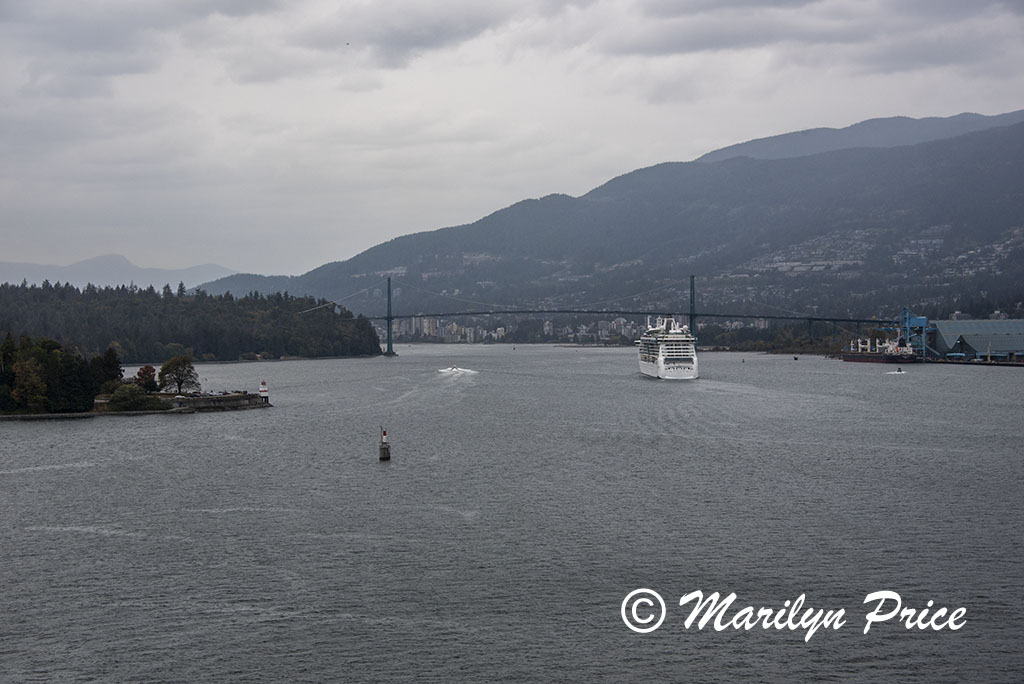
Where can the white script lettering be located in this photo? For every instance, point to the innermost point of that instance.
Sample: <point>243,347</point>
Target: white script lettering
<point>714,606</point>
<point>911,617</point>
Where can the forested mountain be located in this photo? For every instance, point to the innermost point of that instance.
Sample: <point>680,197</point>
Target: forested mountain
<point>151,326</point>
<point>850,232</point>
<point>108,270</point>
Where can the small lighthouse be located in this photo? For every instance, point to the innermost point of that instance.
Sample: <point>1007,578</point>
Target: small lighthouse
<point>385,447</point>
<point>264,392</point>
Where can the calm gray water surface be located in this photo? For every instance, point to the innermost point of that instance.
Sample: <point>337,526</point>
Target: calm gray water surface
<point>522,504</point>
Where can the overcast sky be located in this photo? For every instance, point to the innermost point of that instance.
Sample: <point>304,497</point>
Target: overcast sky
<point>275,136</point>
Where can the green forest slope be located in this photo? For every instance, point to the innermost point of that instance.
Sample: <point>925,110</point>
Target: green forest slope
<point>147,326</point>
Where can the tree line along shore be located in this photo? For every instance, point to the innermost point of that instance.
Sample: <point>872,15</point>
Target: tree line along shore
<point>39,378</point>
<point>63,346</point>
<point>151,326</point>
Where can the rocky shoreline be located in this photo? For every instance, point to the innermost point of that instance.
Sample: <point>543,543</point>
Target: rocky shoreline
<point>203,403</point>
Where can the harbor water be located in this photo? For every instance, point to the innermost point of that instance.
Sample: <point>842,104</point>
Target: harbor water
<point>530,490</point>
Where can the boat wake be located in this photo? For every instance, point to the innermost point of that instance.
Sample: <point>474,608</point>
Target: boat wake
<point>51,466</point>
<point>464,514</point>
<point>455,370</point>
<point>243,509</point>
<point>102,531</point>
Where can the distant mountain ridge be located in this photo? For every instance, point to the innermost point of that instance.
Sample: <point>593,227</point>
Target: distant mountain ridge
<point>844,232</point>
<point>110,270</point>
<point>887,132</point>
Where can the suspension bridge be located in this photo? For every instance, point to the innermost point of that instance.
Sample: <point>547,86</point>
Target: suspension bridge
<point>693,315</point>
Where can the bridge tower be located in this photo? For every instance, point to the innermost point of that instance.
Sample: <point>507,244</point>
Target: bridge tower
<point>390,321</point>
<point>693,309</point>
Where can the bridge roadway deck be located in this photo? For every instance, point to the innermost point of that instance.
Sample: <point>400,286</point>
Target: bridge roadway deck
<point>809,319</point>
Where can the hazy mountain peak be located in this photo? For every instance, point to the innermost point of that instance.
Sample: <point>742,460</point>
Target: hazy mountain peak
<point>105,261</point>
<point>110,270</point>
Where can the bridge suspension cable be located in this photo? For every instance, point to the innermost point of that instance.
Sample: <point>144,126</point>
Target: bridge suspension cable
<point>499,309</point>
<point>335,302</point>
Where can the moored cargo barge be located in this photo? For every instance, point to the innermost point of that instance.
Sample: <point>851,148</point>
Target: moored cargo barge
<point>879,351</point>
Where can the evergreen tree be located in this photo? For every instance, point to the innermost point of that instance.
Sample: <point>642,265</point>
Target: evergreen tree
<point>29,390</point>
<point>7,351</point>
<point>106,370</point>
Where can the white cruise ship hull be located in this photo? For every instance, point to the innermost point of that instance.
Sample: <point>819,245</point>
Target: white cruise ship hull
<point>670,371</point>
<point>667,351</point>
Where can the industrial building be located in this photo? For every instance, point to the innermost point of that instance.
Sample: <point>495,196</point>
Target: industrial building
<point>995,340</point>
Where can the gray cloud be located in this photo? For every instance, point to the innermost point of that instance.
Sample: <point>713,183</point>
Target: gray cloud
<point>685,8</point>
<point>393,32</point>
<point>906,36</point>
<point>321,128</point>
<point>72,48</point>
<point>114,25</point>
<point>732,31</point>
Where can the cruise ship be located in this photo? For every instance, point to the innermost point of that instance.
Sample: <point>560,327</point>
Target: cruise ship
<point>667,351</point>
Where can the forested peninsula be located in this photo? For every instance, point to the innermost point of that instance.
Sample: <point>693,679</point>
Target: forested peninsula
<point>38,376</point>
<point>147,325</point>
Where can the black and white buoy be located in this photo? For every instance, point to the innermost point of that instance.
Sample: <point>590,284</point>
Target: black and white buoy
<point>385,448</point>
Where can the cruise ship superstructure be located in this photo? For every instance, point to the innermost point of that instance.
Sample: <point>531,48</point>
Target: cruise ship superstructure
<point>667,351</point>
